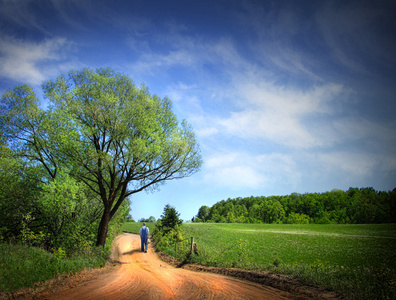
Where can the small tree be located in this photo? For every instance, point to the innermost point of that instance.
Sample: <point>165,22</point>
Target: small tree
<point>170,218</point>
<point>203,213</point>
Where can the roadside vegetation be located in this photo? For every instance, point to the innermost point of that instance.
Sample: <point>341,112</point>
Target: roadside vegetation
<point>357,260</point>
<point>24,266</point>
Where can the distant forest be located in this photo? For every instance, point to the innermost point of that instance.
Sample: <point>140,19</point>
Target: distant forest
<point>355,206</point>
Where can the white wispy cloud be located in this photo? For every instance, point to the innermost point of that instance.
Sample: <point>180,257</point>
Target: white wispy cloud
<point>280,114</point>
<point>237,170</point>
<point>21,60</point>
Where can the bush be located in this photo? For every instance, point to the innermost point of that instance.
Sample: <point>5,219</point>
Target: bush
<point>166,240</point>
<point>296,218</point>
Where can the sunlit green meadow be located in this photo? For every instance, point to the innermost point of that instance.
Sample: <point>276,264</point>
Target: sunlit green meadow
<point>357,260</point>
<point>258,245</point>
<point>134,227</point>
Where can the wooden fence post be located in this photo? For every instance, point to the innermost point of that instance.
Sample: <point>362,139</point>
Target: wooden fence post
<point>191,246</point>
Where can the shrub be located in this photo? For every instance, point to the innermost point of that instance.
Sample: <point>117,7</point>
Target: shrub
<point>296,218</point>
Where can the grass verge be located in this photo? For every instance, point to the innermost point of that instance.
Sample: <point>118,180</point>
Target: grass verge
<point>23,266</point>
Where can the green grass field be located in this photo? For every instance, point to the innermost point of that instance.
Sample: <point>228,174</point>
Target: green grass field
<point>358,260</point>
<point>258,245</point>
<point>134,227</point>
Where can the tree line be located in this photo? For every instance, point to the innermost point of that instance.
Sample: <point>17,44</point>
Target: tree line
<point>354,206</point>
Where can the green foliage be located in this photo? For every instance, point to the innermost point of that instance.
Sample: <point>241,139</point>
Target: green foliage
<point>17,196</point>
<point>296,218</point>
<point>151,219</point>
<point>203,214</point>
<point>168,229</point>
<point>355,206</point>
<point>28,237</point>
<point>60,213</point>
<point>166,240</point>
<point>59,253</point>
<point>71,211</point>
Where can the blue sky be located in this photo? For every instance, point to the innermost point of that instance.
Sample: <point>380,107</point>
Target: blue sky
<point>284,96</point>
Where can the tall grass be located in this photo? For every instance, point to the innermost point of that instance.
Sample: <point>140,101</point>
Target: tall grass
<point>23,266</point>
<point>358,260</point>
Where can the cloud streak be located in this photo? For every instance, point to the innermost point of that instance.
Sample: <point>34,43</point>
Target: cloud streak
<point>281,115</point>
<point>236,170</point>
<point>23,61</point>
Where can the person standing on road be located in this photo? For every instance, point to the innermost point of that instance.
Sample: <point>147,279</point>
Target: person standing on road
<point>144,232</point>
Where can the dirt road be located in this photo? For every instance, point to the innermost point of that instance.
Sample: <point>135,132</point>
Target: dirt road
<point>145,276</point>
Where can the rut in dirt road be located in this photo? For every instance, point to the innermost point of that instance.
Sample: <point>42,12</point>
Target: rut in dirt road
<point>145,276</point>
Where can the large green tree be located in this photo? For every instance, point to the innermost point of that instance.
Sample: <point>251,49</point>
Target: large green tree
<point>103,131</point>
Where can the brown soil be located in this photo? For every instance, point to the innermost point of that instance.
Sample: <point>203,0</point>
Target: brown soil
<point>136,275</point>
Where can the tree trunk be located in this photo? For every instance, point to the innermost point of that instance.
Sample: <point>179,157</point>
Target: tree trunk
<point>103,227</point>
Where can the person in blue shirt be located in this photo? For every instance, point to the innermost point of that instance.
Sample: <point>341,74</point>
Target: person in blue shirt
<point>144,232</point>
